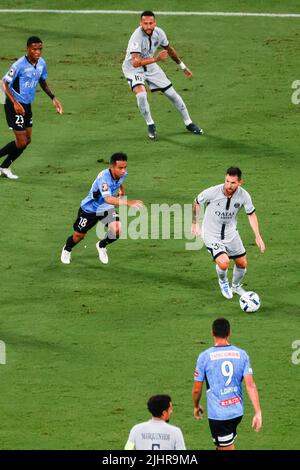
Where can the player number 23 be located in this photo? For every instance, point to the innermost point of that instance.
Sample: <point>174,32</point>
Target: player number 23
<point>227,371</point>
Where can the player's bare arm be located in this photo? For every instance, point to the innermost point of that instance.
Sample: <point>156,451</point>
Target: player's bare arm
<point>196,394</point>
<point>122,202</point>
<point>173,54</point>
<point>137,61</point>
<point>253,395</point>
<point>255,227</point>
<point>17,106</point>
<point>195,220</point>
<point>45,87</point>
<point>121,192</point>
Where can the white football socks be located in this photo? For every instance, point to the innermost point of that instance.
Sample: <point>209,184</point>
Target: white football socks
<point>238,275</point>
<point>179,105</point>
<point>144,107</point>
<point>222,275</point>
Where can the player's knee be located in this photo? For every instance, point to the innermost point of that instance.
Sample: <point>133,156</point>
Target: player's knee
<point>223,264</point>
<point>118,232</point>
<point>77,237</point>
<point>241,263</point>
<point>139,89</point>
<point>21,143</point>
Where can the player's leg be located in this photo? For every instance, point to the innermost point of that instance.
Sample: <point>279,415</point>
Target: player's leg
<point>84,222</point>
<point>180,105</point>
<point>231,447</point>
<point>28,135</point>
<point>158,81</point>
<point>136,82</point>
<point>239,272</point>
<point>219,254</point>
<point>143,105</point>
<point>112,222</point>
<point>222,264</point>
<point>237,252</point>
<point>14,149</point>
<point>224,432</point>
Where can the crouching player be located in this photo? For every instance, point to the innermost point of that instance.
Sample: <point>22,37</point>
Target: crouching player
<point>99,205</point>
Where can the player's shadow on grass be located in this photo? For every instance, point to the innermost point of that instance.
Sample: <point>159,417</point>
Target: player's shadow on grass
<point>217,143</point>
<point>157,278</point>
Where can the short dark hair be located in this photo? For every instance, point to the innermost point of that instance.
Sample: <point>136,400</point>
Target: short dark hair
<point>221,328</point>
<point>147,13</point>
<point>33,40</point>
<point>157,404</point>
<point>118,156</point>
<point>234,171</point>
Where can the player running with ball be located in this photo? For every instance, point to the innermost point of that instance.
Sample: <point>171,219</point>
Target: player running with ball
<point>99,205</point>
<point>219,232</point>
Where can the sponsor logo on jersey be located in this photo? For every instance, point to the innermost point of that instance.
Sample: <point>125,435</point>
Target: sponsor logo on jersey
<point>224,355</point>
<point>225,214</point>
<point>104,187</point>
<point>11,72</point>
<point>196,374</point>
<point>230,401</point>
<point>32,84</point>
<point>237,205</point>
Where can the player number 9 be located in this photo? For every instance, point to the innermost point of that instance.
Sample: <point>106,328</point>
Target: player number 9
<point>227,371</point>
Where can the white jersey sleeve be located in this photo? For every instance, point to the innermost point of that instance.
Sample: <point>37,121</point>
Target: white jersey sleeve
<point>135,43</point>
<point>163,40</point>
<point>206,196</point>
<point>248,205</point>
<point>130,444</point>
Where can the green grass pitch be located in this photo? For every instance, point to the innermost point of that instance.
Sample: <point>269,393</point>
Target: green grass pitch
<point>88,344</point>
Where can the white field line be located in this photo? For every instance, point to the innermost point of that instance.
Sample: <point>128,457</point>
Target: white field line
<point>133,12</point>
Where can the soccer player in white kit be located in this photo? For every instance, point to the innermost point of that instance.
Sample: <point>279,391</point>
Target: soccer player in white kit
<point>219,232</point>
<point>141,66</point>
<point>157,433</point>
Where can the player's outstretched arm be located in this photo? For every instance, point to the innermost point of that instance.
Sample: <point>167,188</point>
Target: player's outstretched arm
<point>46,89</point>
<point>115,201</point>
<point>255,227</point>
<point>174,56</point>
<point>196,394</point>
<point>254,397</point>
<point>17,106</point>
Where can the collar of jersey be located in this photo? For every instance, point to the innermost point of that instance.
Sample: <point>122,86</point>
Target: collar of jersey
<point>30,62</point>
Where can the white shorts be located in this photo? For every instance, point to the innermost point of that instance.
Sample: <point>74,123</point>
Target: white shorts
<point>233,249</point>
<point>155,77</point>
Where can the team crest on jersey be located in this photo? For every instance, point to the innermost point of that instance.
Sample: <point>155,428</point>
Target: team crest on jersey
<point>12,72</point>
<point>104,187</point>
<point>237,205</point>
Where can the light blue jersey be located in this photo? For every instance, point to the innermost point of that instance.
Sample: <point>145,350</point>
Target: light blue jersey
<point>223,369</point>
<point>23,78</point>
<point>103,186</point>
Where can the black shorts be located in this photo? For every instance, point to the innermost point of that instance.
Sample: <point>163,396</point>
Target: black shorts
<point>224,432</point>
<point>17,122</point>
<point>87,220</point>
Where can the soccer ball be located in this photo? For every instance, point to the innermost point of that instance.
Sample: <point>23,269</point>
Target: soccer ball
<point>249,302</point>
